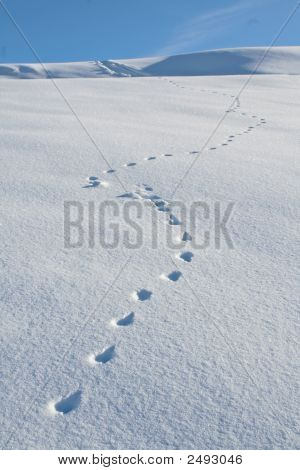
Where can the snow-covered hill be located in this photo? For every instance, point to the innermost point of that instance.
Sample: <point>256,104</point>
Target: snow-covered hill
<point>239,61</point>
<point>157,347</point>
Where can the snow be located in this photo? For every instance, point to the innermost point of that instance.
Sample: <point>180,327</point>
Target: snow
<point>237,61</point>
<point>150,348</point>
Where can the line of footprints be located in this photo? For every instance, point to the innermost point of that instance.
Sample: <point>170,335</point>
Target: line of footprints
<point>95,181</point>
<point>72,401</point>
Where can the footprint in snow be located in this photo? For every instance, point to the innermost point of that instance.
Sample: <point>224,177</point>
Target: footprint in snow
<point>141,295</point>
<point>109,171</point>
<point>161,205</point>
<point>124,321</point>
<point>167,154</point>
<point>186,256</point>
<point>173,220</point>
<point>186,237</point>
<point>66,404</point>
<point>103,357</point>
<point>150,158</point>
<point>93,182</point>
<point>174,276</point>
<point>130,164</point>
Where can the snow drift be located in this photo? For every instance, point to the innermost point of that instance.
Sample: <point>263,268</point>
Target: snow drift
<point>240,61</point>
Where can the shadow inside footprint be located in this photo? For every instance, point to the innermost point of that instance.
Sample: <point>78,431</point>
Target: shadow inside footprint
<point>127,320</point>
<point>186,237</point>
<point>69,403</point>
<point>173,220</point>
<point>142,295</point>
<point>174,276</point>
<point>130,164</point>
<point>106,355</point>
<point>150,158</point>
<point>161,205</point>
<point>186,256</point>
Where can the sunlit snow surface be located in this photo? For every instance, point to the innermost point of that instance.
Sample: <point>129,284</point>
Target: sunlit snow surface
<point>150,348</point>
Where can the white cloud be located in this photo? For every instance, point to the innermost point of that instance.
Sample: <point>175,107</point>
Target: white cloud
<point>200,28</point>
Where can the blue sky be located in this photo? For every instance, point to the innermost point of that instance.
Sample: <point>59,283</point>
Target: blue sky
<point>69,30</point>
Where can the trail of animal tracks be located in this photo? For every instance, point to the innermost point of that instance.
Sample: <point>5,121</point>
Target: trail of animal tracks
<point>153,347</point>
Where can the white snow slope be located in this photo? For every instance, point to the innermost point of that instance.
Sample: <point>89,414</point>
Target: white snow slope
<point>238,61</point>
<point>206,356</point>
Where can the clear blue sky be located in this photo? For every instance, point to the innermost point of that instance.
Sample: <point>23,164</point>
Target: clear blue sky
<point>69,30</point>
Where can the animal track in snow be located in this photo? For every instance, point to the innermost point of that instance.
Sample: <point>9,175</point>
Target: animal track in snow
<point>66,404</point>
<point>130,164</point>
<point>161,205</point>
<point>186,237</point>
<point>93,182</point>
<point>141,295</point>
<point>173,220</point>
<point>124,321</point>
<point>103,357</point>
<point>186,256</point>
<point>143,193</point>
<point>173,276</point>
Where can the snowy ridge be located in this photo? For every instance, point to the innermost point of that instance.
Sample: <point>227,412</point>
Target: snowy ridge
<point>240,61</point>
<point>115,69</point>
